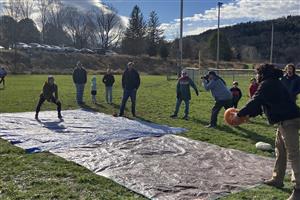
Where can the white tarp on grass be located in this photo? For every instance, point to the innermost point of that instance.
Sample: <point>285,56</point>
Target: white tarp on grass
<point>166,167</point>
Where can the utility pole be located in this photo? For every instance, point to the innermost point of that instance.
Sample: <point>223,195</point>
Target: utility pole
<point>199,60</point>
<point>272,43</point>
<point>218,40</point>
<point>181,31</point>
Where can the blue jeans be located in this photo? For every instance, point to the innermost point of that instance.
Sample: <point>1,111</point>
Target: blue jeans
<point>126,95</point>
<point>187,106</point>
<point>108,94</point>
<point>79,93</point>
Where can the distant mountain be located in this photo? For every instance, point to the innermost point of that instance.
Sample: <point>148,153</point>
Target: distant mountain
<point>250,42</point>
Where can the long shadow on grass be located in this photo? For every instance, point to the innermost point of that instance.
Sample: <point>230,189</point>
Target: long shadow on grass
<point>242,132</point>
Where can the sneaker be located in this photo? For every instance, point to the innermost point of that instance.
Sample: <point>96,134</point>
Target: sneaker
<point>36,116</point>
<point>273,183</point>
<point>59,116</point>
<point>210,126</point>
<point>186,117</point>
<point>173,116</point>
<point>295,195</point>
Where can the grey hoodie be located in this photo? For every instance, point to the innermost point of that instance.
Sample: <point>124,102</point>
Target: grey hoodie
<point>218,89</point>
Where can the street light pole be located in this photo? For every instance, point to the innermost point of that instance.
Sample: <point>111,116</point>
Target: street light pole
<point>181,31</point>
<point>218,42</point>
<point>272,44</point>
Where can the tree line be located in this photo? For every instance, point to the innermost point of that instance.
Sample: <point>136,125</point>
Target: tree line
<point>60,24</point>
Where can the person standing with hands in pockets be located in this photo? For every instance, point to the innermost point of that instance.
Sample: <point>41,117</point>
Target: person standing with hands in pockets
<point>130,83</point>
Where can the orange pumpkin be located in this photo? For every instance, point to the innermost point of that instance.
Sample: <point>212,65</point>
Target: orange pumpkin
<point>230,119</point>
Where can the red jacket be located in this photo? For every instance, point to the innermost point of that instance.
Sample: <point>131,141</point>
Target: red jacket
<point>252,89</point>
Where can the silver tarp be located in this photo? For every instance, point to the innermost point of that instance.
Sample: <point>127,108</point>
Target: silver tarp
<point>139,155</point>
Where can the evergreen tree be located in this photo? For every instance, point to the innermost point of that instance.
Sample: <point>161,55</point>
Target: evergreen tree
<point>154,34</point>
<point>164,50</point>
<point>8,27</point>
<point>27,31</point>
<point>225,52</point>
<point>134,40</point>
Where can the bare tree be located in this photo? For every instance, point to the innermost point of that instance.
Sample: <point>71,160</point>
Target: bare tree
<point>79,26</point>
<point>109,27</point>
<point>25,7</point>
<point>12,9</point>
<point>43,7</point>
<point>55,14</point>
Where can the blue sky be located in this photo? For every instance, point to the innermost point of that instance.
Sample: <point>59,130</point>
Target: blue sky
<point>199,15</point>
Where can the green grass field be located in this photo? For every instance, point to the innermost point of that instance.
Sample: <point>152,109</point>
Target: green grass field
<point>45,176</point>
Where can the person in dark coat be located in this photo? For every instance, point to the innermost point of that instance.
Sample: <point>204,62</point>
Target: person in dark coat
<point>291,81</point>
<point>50,94</point>
<point>280,109</point>
<point>130,83</point>
<point>108,80</point>
<point>236,94</point>
<point>183,93</point>
<point>3,74</point>
<point>79,79</point>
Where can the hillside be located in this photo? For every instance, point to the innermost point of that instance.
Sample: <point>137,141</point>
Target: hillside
<point>63,63</point>
<point>250,41</point>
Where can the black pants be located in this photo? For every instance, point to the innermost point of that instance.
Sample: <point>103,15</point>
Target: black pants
<point>2,80</point>
<point>126,95</point>
<point>216,109</point>
<point>52,100</point>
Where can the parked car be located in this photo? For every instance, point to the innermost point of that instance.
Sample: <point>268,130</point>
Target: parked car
<point>22,46</point>
<point>110,53</point>
<point>70,50</point>
<point>36,46</point>
<point>57,48</point>
<point>86,50</point>
<point>99,51</point>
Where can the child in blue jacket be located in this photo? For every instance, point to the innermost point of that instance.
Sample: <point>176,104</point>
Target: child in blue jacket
<point>184,94</point>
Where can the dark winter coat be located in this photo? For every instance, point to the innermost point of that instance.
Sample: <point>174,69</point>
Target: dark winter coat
<point>236,94</point>
<point>49,90</point>
<point>131,80</point>
<point>292,84</point>
<point>108,80</point>
<point>275,100</point>
<point>79,76</point>
<point>183,88</point>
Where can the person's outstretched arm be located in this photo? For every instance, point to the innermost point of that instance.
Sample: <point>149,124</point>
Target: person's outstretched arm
<point>194,87</point>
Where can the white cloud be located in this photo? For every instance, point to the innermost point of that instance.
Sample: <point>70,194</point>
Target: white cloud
<point>234,12</point>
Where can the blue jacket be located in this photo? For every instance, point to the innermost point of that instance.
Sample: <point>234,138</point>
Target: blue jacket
<point>218,89</point>
<point>292,84</point>
<point>183,88</point>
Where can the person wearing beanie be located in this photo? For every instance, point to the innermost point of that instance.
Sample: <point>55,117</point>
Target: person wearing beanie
<point>108,80</point>
<point>291,81</point>
<point>94,89</point>
<point>183,93</point>
<point>221,94</point>
<point>79,79</point>
<point>280,108</point>
<point>130,83</point>
<point>236,94</point>
<point>49,93</point>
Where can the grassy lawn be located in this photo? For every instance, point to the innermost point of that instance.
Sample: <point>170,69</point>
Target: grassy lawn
<point>45,176</point>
